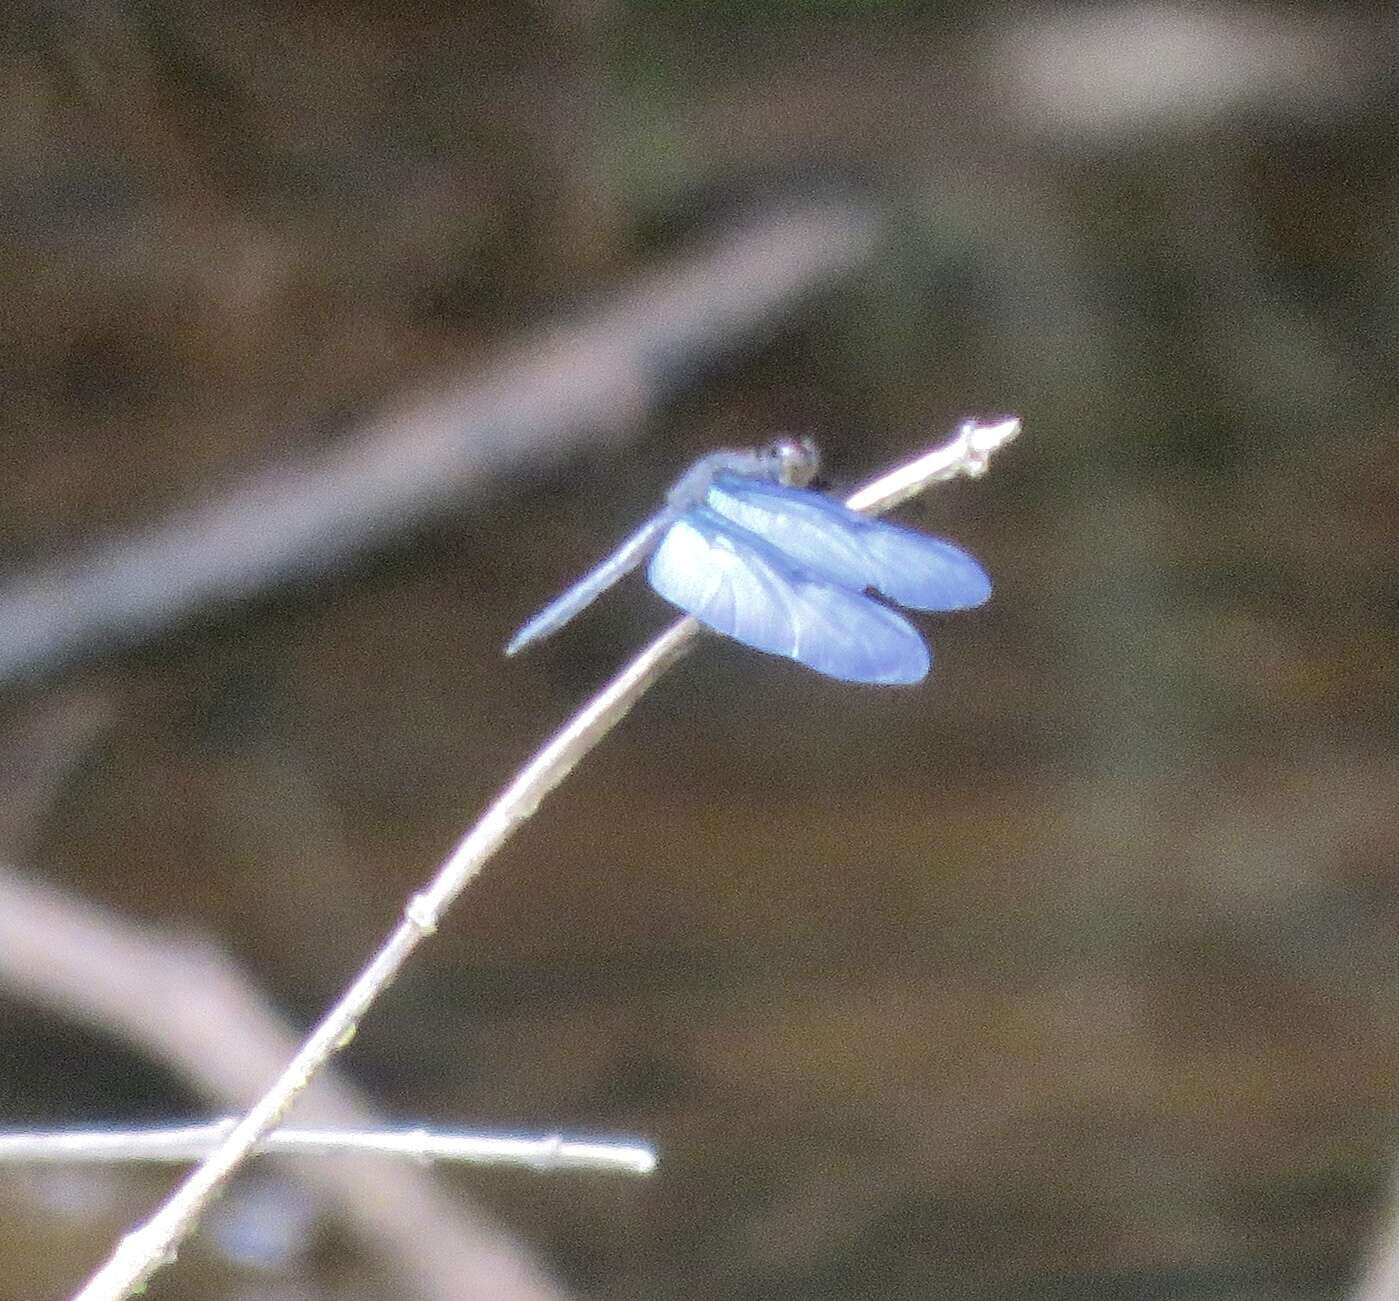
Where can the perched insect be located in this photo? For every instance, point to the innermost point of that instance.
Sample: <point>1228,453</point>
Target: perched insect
<point>744,546</point>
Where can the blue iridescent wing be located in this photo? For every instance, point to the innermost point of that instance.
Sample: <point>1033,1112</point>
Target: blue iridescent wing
<point>852,550</point>
<point>594,583</point>
<point>739,585</point>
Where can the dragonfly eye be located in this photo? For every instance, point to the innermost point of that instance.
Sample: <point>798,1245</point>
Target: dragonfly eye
<point>796,461</point>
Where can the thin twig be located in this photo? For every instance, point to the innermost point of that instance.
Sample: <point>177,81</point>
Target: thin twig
<point>183,1001</point>
<point>968,454</point>
<point>182,1143</point>
<point>146,1248</point>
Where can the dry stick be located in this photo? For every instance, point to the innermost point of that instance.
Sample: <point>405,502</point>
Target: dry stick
<point>146,1248</point>
<point>182,1001</point>
<point>588,380</point>
<point>183,1143</point>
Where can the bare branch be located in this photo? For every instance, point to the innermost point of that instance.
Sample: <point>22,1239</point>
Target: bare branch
<point>584,382</point>
<point>191,1142</point>
<point>185,1003</point>
<point>146,1248</point>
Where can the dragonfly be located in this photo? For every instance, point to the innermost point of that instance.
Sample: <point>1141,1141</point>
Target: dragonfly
<point>751,550</point>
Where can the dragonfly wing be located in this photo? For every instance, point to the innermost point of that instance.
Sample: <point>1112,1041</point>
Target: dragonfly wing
<point>853,550</point>
<point>748,590</point>
<point>593,584</point>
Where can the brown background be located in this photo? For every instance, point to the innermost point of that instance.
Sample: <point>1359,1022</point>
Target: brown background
<point>1069,974</point>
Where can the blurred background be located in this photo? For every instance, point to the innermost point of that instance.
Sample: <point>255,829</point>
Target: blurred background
<point>336,339</point>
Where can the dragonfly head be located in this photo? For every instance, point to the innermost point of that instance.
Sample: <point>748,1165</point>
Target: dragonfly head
<point>792,461</point>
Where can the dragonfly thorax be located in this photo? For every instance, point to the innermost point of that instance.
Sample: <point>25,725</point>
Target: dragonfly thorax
<point>792,462</point>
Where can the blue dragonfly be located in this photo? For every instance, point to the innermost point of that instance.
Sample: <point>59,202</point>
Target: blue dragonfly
<point>747,548</point>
